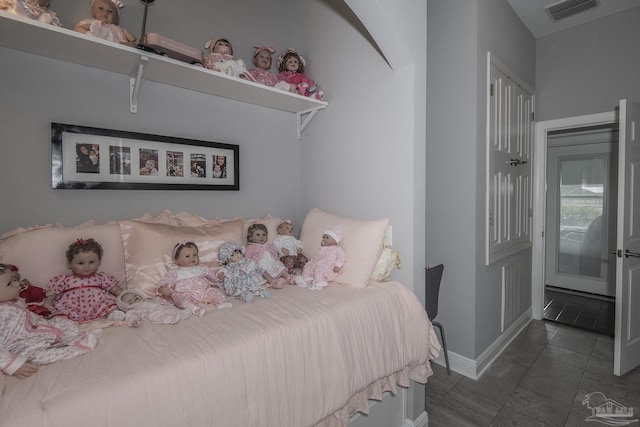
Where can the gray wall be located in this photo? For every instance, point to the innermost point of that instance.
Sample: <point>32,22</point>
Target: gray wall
<point>589,68</point>
<point>459,34</point>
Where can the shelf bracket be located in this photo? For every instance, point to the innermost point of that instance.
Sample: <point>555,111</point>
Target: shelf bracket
<point>135,80</point>
<point>303,118</point>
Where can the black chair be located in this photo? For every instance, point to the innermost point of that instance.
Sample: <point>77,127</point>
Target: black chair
<point>432,291</point>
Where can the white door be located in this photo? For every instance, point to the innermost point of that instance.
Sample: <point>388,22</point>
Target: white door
<point>627,339</point>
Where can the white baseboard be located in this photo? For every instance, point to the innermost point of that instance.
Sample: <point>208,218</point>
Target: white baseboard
<point>475,368</point>
<point>421,421</point>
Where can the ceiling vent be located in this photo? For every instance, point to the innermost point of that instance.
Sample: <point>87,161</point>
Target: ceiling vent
<point>566,8</point>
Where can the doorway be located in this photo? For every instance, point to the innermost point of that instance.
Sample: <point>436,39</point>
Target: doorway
<point>581,227</point>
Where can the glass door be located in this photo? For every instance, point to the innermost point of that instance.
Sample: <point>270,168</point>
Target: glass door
<point>580,217</point>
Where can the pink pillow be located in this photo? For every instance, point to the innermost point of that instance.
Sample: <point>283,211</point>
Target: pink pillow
<point>271,222</point>
<point>148,247</point>
<point>39,252</point>
<point>362,243</point>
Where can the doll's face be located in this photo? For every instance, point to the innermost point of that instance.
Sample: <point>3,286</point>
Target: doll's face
<point>258,236</point>
<point>286,229</point>
<point>328,240</point>
<point>236,256</point>
<point>105,11</point>
<point>262,60</point>
<point>292,63</point>
<point>130,298</point>
<point>9,286</point>
<point>84,264</point>
<point>188,257</point>
<point>222,46</point>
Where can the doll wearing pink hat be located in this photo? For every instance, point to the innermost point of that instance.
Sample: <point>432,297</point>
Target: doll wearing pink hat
<point>262,59</point>
<point>326,263</point>
<point>221,57</point>
<point>104,22</point>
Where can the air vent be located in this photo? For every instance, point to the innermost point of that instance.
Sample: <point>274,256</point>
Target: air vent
<point>566,8</point>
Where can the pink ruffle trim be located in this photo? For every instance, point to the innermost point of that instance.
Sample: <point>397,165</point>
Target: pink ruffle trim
<point>359,402</point>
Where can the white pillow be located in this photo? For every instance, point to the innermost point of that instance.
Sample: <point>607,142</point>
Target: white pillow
<point>362,243</point>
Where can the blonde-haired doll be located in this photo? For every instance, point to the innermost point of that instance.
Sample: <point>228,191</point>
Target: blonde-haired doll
<point>104,23</point>
<point>191,283</point>
<point>241,277</point>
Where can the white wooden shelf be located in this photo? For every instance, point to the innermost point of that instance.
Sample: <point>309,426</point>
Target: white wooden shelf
<point>34,37</point>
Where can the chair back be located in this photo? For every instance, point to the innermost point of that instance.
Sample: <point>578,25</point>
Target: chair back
<point>432,289</point>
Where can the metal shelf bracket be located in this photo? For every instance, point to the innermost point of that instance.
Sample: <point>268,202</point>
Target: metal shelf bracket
<point>303,118</point>
<point>135,80</point>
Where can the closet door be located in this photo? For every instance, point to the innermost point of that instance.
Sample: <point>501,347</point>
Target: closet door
<point>509,158</point>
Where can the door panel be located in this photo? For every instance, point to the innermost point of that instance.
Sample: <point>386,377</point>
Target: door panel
<point>627,339</point>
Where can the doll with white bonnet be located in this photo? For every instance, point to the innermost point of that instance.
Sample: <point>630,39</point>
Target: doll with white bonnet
<point>153,310</point>
<point>289,248</point>
<point>104,23</point>
<point>291,66</point>
<point>28,340</point>
<point>326,263</point>
<point>33,9</point>
<point>221,57</point>
<point>241,277</point>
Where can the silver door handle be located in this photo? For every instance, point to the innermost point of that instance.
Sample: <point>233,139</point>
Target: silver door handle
<point>628,253</point>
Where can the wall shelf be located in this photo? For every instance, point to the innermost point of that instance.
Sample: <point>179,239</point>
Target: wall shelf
<point>34,37</point>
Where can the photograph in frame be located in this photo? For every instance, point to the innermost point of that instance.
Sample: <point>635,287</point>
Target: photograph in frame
<point>85,157</point>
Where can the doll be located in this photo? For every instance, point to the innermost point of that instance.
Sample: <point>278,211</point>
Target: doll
<point>289,248</point>
<point>154,310</point>
<point>84,295</point>
<point>326,263</point>
<point>104,23</point>
<point>240,276</point>
<point>191,283</point>
<point>266,255</point>
<point>28,340</point>
<point>291,66</point>
<point>33,9</point>
<point>262,59</point>
<point>221,57</point>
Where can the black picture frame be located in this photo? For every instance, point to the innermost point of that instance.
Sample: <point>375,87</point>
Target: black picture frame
<point>85,157</point>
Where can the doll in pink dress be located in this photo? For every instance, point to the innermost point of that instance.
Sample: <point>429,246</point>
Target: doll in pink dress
<point>289,248</point>
<point>28,340</point>
<point>84,295</point>
<point>291,66</point>
<point>326,263</point>
<point>221,57</point>
<point>104,23</point>
<point>191,283</point>
<point>241,277</point>
<point>266,255</point>
<point>262,59</point>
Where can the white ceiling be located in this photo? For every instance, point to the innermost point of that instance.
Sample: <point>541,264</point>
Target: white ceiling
<point>532,13</point>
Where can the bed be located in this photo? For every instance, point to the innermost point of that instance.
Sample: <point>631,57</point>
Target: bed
<point>300,358</point>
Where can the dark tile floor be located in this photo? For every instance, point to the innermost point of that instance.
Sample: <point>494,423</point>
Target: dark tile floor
<point>541,379</point>
<point>583,311</point>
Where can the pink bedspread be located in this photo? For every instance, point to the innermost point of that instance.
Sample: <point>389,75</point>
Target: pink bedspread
<point>302,358</point>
